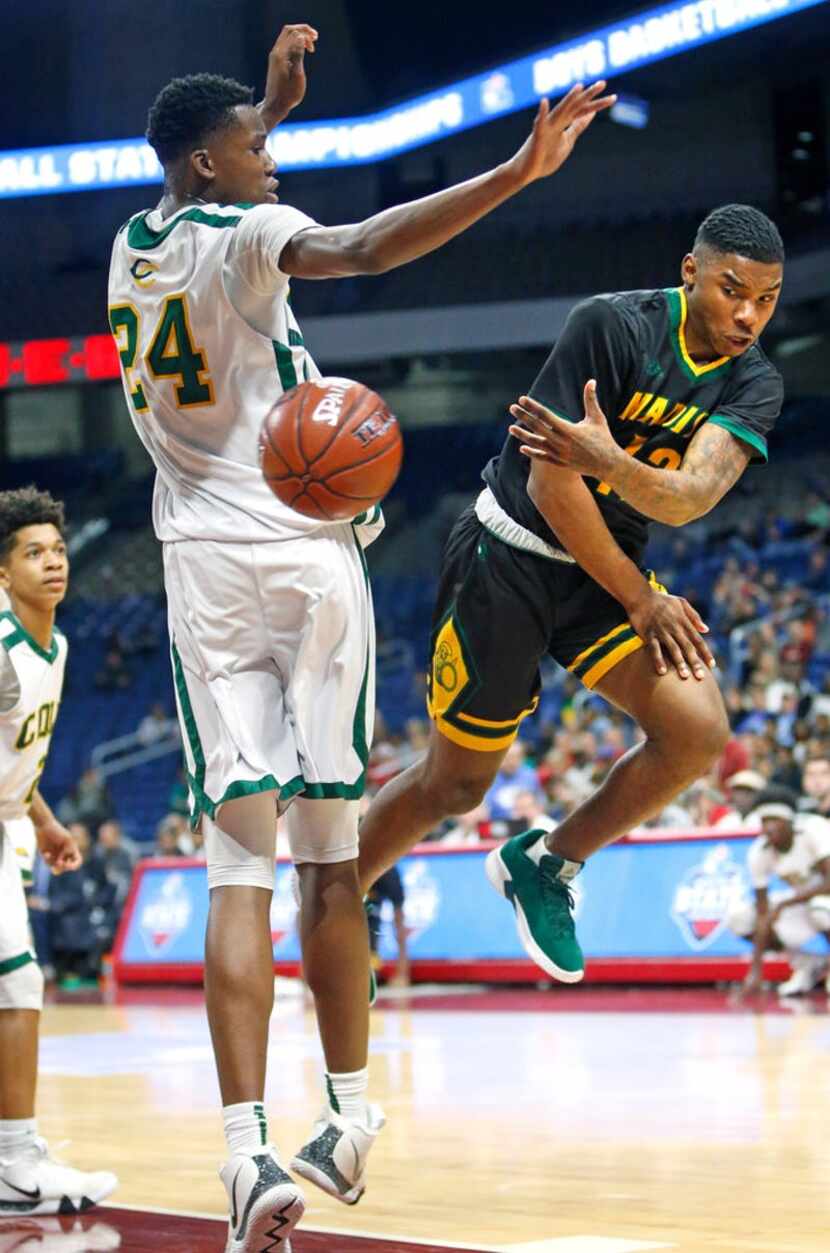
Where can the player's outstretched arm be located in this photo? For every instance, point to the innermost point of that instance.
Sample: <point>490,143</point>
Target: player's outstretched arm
<point>285,85</point>
<point>401,234</point>
<point>714,460</point>
<point>670,627</point>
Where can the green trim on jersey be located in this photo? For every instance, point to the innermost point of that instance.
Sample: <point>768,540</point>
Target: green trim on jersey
<point>20,636</point>
<point>676,300</point>
<point>11,964</point>
<point>142,237</point>
<point>285,365</point>
<point>749,437</point>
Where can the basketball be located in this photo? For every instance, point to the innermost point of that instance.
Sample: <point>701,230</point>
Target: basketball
<point>330,449</point>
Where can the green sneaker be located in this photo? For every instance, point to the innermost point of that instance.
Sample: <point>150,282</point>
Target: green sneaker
<point>543,903</point>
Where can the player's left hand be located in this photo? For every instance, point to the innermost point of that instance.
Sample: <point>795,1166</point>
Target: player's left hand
<point>588,447</point>
<point>57,847</point>
<point>285,85</point>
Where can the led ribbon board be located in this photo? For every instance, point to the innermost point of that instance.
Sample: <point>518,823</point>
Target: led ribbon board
<point>651,36</point>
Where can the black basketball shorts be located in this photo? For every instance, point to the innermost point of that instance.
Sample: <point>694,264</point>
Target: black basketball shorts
<point>499,610</point>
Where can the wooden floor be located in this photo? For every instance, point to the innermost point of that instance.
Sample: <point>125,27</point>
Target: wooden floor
<point>567,1122</point>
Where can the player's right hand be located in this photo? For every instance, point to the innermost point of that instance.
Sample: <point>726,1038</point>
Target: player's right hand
<point>672,630</point>
<point>555,131</point>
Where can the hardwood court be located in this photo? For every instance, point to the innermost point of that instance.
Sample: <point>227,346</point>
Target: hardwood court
<point>564,1122</point>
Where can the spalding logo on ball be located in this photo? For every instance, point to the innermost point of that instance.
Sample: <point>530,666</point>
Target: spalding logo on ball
<point>330,449</point>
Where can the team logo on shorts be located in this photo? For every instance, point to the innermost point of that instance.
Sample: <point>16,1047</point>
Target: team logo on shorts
<point>449,672</point>
<point>166,915</point>
<point>705,895</point>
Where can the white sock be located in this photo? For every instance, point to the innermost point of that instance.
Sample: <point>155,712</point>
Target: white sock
<point>347,1093</point>
<point>246,1127</point>
<point>16,1136</point>
<point>540,849</point>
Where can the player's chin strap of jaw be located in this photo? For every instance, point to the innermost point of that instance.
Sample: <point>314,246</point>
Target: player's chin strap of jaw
<point>494,519</point>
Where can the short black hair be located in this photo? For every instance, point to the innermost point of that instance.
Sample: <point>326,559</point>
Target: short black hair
<point>26,506</point>
<point>189,109</point>
<point>741,229</point>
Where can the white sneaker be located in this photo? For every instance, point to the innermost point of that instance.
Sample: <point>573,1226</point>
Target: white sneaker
<point>35,1184</point>
<point>807,972</point>
<point>265,1203</point>
<point>55,1235</point>
<point>335,1159</point>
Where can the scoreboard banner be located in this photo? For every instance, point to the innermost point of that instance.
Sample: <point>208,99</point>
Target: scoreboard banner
<point>655,909</point>
<point>605,52</point>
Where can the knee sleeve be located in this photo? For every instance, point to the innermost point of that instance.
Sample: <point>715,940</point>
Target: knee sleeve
<point>322,832</point>
<point>22,988</point>
<point>240,843</point>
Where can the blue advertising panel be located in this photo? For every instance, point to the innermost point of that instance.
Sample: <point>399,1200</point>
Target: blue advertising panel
<point>650,900</point>
<point>608,51</point>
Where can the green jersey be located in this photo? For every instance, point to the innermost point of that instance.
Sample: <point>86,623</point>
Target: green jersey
<point>653,394</point>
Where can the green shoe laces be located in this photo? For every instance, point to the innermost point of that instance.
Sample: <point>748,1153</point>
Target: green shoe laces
<point>558,902</point>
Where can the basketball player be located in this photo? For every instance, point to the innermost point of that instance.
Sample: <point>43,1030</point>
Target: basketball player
<point>269,612</point>
<point>548,561</point>
<point>33,571</point>
<point>795,848</point>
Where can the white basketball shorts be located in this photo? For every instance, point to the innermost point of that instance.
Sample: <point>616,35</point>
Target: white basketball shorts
<point>15,937</point>
<point>273,657</point>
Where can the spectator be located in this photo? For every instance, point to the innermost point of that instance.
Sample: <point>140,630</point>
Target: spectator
<point>115,672</point>
<point>816,785</point>
<point>116,856</point>
<point>81,908</point>
<point>529,812</point>
<point>155,725</point>
<point>515,775</point>
<point>742,792</point>
<point>168,837</point>
<point>89,802</point>
<point>469,828</point>
<point>389,888</point>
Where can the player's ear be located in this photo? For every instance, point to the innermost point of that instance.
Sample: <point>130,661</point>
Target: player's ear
<point>202,165</point>
<point>688,271</point>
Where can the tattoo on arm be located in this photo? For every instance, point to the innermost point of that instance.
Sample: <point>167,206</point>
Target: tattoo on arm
<point>713,463</point>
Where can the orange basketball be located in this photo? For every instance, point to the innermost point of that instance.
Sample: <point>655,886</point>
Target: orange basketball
<point>330,449</point>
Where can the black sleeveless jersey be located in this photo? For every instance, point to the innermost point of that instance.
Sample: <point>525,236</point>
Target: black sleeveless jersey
<point>654,397</point>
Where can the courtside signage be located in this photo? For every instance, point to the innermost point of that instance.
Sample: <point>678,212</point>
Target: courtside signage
<point>604,53</point>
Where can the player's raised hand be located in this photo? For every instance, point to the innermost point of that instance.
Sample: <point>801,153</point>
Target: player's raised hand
<point>588,447</point>
<point>555,131</point>
<point>57,847</point>
<point>285,85</point>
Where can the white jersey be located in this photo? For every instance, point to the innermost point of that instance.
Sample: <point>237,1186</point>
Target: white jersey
<point>31,679</point>
<point>208,342</point>
<point>811,844</point>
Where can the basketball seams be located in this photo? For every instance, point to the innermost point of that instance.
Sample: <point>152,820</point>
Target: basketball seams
<point>304,481</point>
<point>361,461</point>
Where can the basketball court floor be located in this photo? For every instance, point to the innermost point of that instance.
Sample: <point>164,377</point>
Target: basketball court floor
<point>564,1121</point>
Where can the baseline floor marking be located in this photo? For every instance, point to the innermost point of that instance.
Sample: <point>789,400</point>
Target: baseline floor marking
<point>584,1244</point>
<point>380,1237</point>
